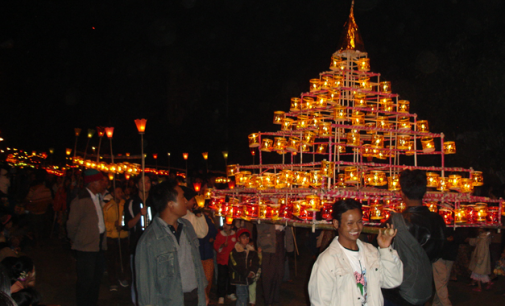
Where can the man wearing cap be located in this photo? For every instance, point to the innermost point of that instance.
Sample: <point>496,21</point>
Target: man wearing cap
<point>86,230</point>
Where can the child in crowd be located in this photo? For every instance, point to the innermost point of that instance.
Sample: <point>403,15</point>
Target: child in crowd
<point>244,264</point>
<point>500,265</point>
<point>224,244</point>
<point>480,264</point>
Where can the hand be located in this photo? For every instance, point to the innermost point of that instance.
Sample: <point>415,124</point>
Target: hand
<point>384,239</point>
<point>251,274</point>
<point>143,211</point>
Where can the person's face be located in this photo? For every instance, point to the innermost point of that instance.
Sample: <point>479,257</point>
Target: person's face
<point>179,206</point>
<point>350,227</point>
<point>243,239</point>
<point>146,186</point>
<point>191,204</point>
<point>119,193</point>
<point>227,227</point>
<point>105,183</point>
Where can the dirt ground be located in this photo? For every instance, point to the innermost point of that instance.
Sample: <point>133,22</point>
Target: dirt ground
<point>56,279</point>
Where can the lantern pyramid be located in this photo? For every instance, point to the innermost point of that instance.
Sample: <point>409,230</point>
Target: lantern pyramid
<point>347,134</point>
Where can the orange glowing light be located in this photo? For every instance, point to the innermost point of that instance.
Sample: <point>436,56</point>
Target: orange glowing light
<point>205,155</point>
<point>100,130</point>
<point>155,155</point>
<point>109,131</point>
<point>197,186</point>
<point>141,125</point>
<point>185,156</point>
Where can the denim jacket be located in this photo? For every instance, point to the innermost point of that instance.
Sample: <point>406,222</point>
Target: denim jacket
<point>157,266</point>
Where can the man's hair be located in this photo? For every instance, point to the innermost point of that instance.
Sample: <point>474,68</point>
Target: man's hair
<point>340,207</point>
<point>413,184</point>
<point>162,194</point>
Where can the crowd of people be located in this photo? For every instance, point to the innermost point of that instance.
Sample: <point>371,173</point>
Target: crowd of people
<point>148,234</point>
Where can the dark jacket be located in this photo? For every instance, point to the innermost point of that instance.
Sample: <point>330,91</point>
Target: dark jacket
<point>131,209</point>
<point>82,224</point>
<point>206,246</point>
<point>428,229</point>
<point>242,262</point>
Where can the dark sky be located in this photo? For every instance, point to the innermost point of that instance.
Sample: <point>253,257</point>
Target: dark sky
<point>207,73</point>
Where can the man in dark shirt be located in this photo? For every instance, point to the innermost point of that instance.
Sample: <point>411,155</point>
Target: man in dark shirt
<point>135,219</point>
<point>425,226</point>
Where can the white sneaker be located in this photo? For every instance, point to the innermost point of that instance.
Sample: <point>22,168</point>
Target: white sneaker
<point>232,297</point>
<point>221,300</point>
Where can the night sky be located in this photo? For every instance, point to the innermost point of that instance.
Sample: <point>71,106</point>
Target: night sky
<point>206,73</point>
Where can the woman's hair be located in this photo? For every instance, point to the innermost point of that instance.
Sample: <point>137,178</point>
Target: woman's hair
<point>6,300</point>
<point>18,267</point>
<point>340,207</point>
<point>26,297</point>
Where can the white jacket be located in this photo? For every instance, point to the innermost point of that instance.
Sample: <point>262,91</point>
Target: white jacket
<point>332,280</point>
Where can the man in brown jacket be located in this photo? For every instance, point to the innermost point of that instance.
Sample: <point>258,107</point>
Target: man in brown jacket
<point>86,230</point>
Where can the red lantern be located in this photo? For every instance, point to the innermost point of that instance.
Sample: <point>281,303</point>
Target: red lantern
<point>155,155</point>
<point>197,186</point>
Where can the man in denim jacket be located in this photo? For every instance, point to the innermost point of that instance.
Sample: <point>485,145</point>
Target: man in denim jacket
<point>167,259</point>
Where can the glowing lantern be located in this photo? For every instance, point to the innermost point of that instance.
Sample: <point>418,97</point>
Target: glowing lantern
<point>326,82</point>
<point>432,179</point>
<point>360,100</point>
<point>242,177</point>
<point>315,85</point>
<point>364,83</point>
<point>254,140</point>
<point>493,215</point>
<point>466,185</point>
<point>340,113</point>
<point>351,175</point>
<point>327,168</point>
<point>207,192</point>
<point>322,148</point>
<point>313,202</point>
<point>321,101</point>
<point>400,207</point>
<point>141,125</point>
<point>100,130</point>
<point>477,178</point>
<point>446,215</point>
<point>403,106</point>
<point>353,138</point>
<point>231,170</point>
<point>460,215</point>
<point>155,155</point>
<point>428,144</point>
<point>267,145</point>
<point>197,186</point>
<point>338,81</point>
<point>91,132</point>
<point>200,200</point>
<point>333,97</point>
<point>301,179</point>
<point>335,60</point>
<point>302,122</point>
<point>432,206</point>
<point>454,182</point>
<point>385,86</point>
<point>376,178</point>
<point>364,64</point>
<point>185,156</point>
<point>231,185</point>
<point>315,178</point>
<point>295,104</point>
<point>278,117</point>
<point>308,138</point>
<point>394,182</point>
<point>205,155</point>
<point>449,147</point>
<point>326,210</point>
<point>383,122</point>
<point>422,126</point>
<point>286,124</point>
<point>376,211</point>
<point>77,131</point>
<point>442,184</point>
<point>481,212</point>
<point>404,123</point>
<point>293,144</point>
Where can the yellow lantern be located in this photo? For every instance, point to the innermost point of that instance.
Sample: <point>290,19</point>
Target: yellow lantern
<point>442,184</point>
<point>322,148</point>
<point>279,117</point>
<point>353,138</point>
<point>403,106</point>
<point>266,145</point>
<point>403,142</point>
<point>385,86</point>
<point>387,105</point>
<point>449,147</point>
<point>307,103</point>
<point>404,123</point>
<point>279,144</point>
<point>327,168</point>
<point>477,178</point>
<point>410,149</point>
<point>480,212</point>
<point>315,85</point>
<point>301,179</point>
<point>338,81</point>
<point>254,140</point>
<point>302,122</point>
<point>377,178</point>
<point>326,82</point>
<point>313,202</point>
<point>351,175</point>
<point>324,129</point>
<point>378,141</point>
<point>242,177</point>
<point>293,144</point>
<point>394,182</point>
<point>364,64</point>
<point>360,100</point>
<point>333,97</point>
<point>428,144</point>
<point>321,101</point>
<point>335,62</point>
<point>340,113</point>
<point>422,126</point>
<point>466,185</point>
<point>454,181</point>
<point>315,178</point>
<point>295,104</point>
<point>231,170</point>
<point>432,206</point>
<point>383,122</point>
<point>376,211</point>
<point>432,179</point>
<point>280,181</point>
<point>340,147</point>
<point>364,83</point>
<point>460,215</point>
<point>286,124</point>
<point>200,200</point>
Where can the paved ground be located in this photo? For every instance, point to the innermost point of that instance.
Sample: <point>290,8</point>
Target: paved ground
<point>56,281</point>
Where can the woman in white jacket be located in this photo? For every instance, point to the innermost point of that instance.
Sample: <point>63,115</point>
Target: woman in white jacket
<point>352,272</point>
